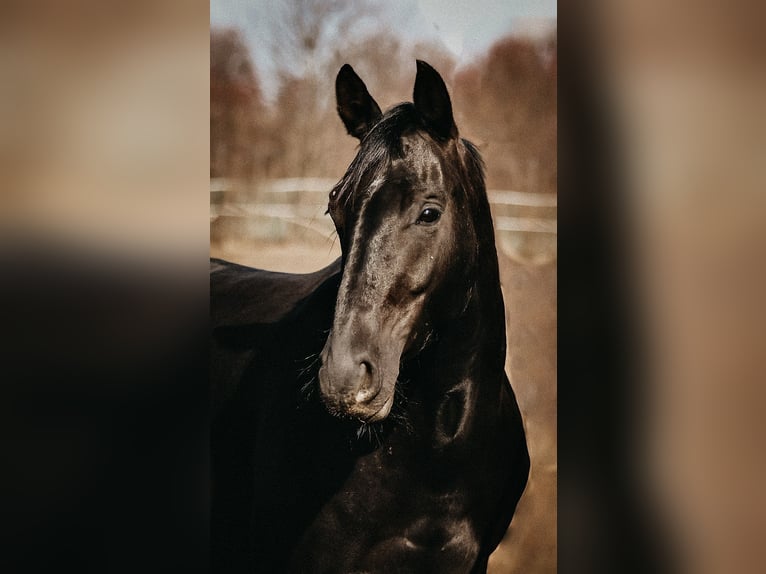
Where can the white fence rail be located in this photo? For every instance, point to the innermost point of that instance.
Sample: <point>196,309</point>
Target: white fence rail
<point>522,198</point>
<point>294,208</point>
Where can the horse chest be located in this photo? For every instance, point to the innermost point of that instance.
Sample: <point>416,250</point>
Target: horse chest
<point>391,515</point>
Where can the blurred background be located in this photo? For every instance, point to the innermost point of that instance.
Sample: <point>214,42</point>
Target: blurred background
<point>109,180</point>
<point>104,201</point>
<point>682,90</point>
<point>277,147</point>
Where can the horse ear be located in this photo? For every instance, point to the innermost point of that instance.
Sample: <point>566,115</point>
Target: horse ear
<point>356,107</point>
<point>432,102</point>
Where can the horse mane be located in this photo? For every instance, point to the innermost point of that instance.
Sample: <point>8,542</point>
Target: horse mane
<point>474,164</point>
<point>473,180</point>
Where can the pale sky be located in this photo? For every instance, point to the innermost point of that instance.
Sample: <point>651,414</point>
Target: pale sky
<point>465,27</point>
<point>469,27</point>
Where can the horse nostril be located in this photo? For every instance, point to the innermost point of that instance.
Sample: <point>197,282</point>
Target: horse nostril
<point>367,390</point>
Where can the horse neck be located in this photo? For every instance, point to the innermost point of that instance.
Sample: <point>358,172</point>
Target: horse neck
<point>489,310</point>
<point>473,346</point>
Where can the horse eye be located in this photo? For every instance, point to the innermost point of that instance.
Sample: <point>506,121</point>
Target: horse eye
<point>429,215</point>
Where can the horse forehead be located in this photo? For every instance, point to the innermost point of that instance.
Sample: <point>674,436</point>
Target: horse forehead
<point>420,160</point>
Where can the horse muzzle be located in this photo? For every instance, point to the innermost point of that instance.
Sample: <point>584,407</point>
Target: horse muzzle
<point>353,385</point>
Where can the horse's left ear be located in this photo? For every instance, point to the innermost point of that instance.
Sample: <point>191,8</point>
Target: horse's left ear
<point>432,102</point>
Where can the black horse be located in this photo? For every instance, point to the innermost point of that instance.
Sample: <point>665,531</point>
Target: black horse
<point>363,418</point>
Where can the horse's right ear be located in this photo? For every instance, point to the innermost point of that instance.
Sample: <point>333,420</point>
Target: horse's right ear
<point>356,107</point>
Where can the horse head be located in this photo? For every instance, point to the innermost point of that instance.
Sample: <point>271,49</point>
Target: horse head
<point>404,213</point>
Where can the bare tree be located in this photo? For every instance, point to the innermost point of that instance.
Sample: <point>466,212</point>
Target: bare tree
<point>307,30</point>
<point>236,106</point>
<point>507,101</point>
<point>308,34</point>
